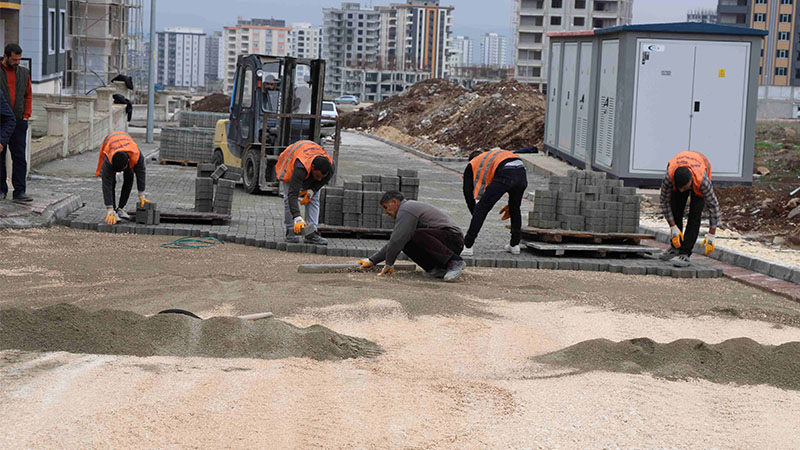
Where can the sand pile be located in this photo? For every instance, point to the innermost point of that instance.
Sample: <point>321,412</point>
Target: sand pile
<point>507,114</point>
<point>219,103</point>
<point>740,360</point>
<point>67,328</point>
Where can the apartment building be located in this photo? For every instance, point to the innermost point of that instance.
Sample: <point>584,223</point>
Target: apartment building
<point>494,50</point>
<point>351,39</point>
<point>780,49</point>
<point>9,21</point>
<point>463,49</point>
<point>259,36</point>
<point>215,61</point>
<point>181,57</point>
<point>702,16</point>
<point>533,19</point>
<point>305,41</point>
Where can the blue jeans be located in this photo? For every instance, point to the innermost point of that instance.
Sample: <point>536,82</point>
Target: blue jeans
<point>513,180</point>
<point>16,145</point>
<point>312,209</point>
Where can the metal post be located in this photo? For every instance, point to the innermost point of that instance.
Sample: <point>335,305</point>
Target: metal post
<point>151,88</point>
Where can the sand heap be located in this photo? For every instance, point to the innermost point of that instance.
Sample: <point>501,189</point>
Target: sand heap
<point>67,328</point>
<point>219,103</point>
<point>507,114</point>
<point>740,360</point>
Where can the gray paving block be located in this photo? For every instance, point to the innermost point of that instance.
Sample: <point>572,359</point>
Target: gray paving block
<point>527,264</point>
<point>548,264</point>
<point>507,263</point>
<point>485,262</point>
<point>683,272</point>
<point>294,248</point>
<point>566,264</point>
<point>781,272</point>
<point>321,249</point>
<point>271,244</point>
<point>634,270</point>
<point>615,267</point>
<point>281,246</point>
<point>760,265</point>
<point>706,272</point>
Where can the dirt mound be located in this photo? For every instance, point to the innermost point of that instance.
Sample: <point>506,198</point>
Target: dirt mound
<point>507,114</point>
<point>740,360</point>
<point>760,210</point>
<point>220,103</point>
<point>67,328</point>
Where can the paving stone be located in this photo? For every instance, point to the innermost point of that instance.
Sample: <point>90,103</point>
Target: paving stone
<point>281,246</point>
<point>548,264</point>
<point>527,264</point>
<point>294,248</point>
<point>615,267</point>
<point>664,271</point>
<point>485,262</point>
<point>683,272</point>
<point>507,263</point>
<point>634,270</point>
<point>567,265</point>
<point>780,272</point>
<point>706,272</point>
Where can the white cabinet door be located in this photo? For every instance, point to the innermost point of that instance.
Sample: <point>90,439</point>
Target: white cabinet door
<point>607,106</point>
<point>720,88</point>
<point>582,101</point>
<point>552,94</point>
<point>662,102</point>
<point>566,127</point>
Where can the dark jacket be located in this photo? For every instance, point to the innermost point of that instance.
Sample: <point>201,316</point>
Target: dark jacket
<point>7,120</point>
<point>301,181</point>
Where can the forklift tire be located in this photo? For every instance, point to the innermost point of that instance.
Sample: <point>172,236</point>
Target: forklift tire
<point>250,167</point>
<point>217,159</point>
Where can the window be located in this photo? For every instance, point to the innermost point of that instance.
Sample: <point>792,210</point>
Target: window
<point>555,20</point>
<point>786,2</point>
<point>51,31</point>
<point>797,73</point>
<point>556,4</point>
<point>783,36</point>
<point>785,18</point>
<point>782,53</point>
<point>761,2</point>
<point>62,30</point>
<point>759,18</point>
<point>580,4</point>
<point>579,21</point>
<point>780,71</point>
<point>247,91</point>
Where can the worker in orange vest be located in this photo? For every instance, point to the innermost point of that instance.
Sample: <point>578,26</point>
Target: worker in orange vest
<point>688,176</point>
<point>119,153</point>
<point>303,168</point>
<point>487,177</point>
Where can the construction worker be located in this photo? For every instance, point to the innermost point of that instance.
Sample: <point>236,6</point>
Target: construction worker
<point>688,175</point>
<point>487,177</point>
<point>119,153</point>
<point>303,168</point>
<point>427,235</point>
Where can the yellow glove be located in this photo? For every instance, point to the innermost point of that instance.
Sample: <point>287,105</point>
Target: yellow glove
<point>675,236</point>
<point>142,199</point>
<point>387,270</point>
<point>111,217</point>
<point>504,212</point>
<point>299,224</point>
<point>365,263</point>
<point>708,244</point>
<point>306,196</point>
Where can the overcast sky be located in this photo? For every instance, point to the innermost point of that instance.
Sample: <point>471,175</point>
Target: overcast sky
<point>470,17</point>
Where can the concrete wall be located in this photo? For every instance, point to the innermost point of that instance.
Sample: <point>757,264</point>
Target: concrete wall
<point>778,102</point>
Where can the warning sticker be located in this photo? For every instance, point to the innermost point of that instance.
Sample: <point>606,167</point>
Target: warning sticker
<point>722,73</point>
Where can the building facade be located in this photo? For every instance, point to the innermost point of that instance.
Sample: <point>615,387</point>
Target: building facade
<point>305,41</point>
<point>780,49</point>
<point>43,38</point>
<point>181,57</point>
<point>533,19</point>
<point>463,51</point>
<point>257,36</point>
<point>702,16</point>
<point>215,61</point>
<point>494,50</point>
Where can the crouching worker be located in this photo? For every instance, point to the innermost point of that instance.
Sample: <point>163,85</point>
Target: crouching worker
<point>119,153</point>
<point>303,169</point>
<point>688,176</point>
<point>427,235</point>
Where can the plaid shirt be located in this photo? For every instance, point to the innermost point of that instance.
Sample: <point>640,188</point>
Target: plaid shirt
<point>705,188</point>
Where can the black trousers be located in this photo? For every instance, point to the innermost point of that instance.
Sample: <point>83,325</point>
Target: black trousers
<point>677,202</point>
<point>127,185</point>
<point>513,180</point>
<point>16,145</point>
<point>433,248</point>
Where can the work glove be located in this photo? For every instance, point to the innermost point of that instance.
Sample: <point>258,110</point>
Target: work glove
<point>111,217</point>
<point>708,244</point>
<point>675,236</point>
<point>365,263</point>
<point>299,224</point>
<point>387,270</point>
<point>142,199</point>
<point>306,196</point>
<point>505,214</point>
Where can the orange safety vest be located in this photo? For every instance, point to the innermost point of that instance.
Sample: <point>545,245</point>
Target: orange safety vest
<point>119,141</point>
<point>305,152</point>
<point>484,167</point>
<point>697,163</point>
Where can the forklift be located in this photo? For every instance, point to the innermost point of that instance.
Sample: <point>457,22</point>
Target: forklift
<point>270,110</point>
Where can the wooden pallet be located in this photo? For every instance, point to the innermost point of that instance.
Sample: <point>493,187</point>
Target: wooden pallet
<point>189,217</point>
<point>602,250</point>
<point>182,162</point>
<point>354,232</point>
<point>556,235</point>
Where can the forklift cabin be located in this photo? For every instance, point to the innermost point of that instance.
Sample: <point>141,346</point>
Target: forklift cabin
<point>270,110</point>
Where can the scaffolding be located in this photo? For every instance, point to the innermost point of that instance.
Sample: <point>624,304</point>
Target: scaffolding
<point>105,39</point>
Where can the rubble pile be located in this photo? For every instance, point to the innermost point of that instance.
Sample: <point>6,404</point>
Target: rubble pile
<point>506,114</point>
<point>219,103</point>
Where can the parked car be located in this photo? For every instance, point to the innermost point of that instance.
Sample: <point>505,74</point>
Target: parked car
<point>346,99</point>
<point>329,113</point>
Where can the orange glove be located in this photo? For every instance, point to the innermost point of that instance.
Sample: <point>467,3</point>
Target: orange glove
<point>387,270</point>
<point>306,196</point>
<point>299,224</point>
<point>365,263</point>
<point>675,236</point>
<point>708,244</point>
<point>142,199</point>
<point>504,212</point>
<point>111,217</point>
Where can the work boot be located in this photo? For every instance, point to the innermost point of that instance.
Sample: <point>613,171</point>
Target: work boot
<point>467,251</point>
<point>668,254</point>
<point>436,272</point>
<point>513,250</point>
<point>454,269</point>
<point>292,238</point>
<point>122,214</point>
<point>316,238</point>
<point>681,261</point>
<point>22,198</point>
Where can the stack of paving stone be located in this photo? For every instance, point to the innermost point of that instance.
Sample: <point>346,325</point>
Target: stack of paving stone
<point>331,206</point>
<point>219,200</point>
<point>190,145</point>
<point>586,201</point>
<point>200,119</point>
<point>147,214</point>
<point>409,183</point>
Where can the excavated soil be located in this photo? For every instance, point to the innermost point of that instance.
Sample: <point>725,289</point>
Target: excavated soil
<point>741,361</point>
<point>507,114</point>
<point>219,103</point>
<point>65,327</point>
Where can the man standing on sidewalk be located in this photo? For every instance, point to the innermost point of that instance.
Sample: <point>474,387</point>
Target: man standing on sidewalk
<point>427,235</point>
<point>487,177</point>
<point>688,175</point>
<point>15,83</point>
